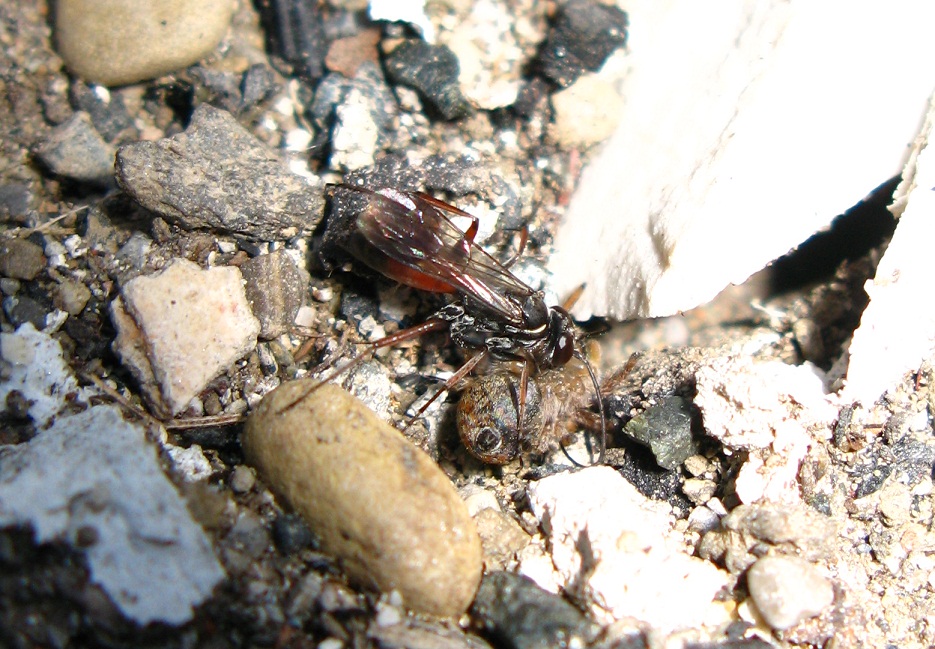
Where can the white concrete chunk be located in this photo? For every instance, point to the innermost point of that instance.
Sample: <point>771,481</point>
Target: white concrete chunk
<point>746,128</point>
<point>897,329</point>
<point>194,324</point>
<point>637,573</point>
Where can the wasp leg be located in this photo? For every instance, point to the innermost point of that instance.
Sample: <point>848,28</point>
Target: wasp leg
<point>523,238</point>
<point>456,378</point>
<point>432,324</point>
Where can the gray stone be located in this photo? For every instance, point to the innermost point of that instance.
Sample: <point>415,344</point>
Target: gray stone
<point>218,176</point>
<point>115,42</point>
<point>276,288</point>
<point>357,112</point>
<point>787,590</point>
<point>20,259</point>
<point>76,150</point>
<point>150,557</point>
<point>378,503</point>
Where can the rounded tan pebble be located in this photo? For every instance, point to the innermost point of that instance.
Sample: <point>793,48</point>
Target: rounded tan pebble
<point>115,42</point>
<point>377,502</point>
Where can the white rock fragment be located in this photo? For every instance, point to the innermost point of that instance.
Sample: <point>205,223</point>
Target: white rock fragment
<point>897,329</point>
<point>31,363</point>
<point>355,135</point>
<point>94,471</point>
<point>179,329</point>
<point>770,409</point>
<point>405,11</point>
<point>493,40</point>
<point>191,462</point>
<point>636,572</point>
<point>746,128</point>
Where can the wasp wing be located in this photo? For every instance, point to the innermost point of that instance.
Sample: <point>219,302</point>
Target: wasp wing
<point>414,230</point>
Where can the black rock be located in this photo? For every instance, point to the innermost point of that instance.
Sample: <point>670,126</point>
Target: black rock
<point>433,71</point>
<point>516,613</point>
<point>109,115</point>
<point>218,176</point>
<point>291,534</point>
<point>296,34</point>
<point>22,309</point>
<point>584,34</point>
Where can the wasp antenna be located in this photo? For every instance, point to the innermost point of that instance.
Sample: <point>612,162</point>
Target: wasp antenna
<point>573,298</point>
<point>600,405</point>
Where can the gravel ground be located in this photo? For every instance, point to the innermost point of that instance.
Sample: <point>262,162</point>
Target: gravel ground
<point>171,258</point>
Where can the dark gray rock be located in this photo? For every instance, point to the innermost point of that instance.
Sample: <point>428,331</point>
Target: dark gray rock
<point>276,288</point>
<point>433,71</point>
<point>515,612</point>
<point>76,150</point>
<point>21,259</point>
<point>108,111</point>
<point>21,309</point>
<point>14,200</point>
<point>218,176</point>
<point>585,33</point>
<point>666,429</point>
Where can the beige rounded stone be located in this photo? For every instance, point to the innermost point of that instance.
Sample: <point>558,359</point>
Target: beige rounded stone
<point>377,502</point>
<point>115,42</point>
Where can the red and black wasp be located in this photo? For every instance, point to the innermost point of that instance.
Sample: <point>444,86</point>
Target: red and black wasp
<point>410,237</point>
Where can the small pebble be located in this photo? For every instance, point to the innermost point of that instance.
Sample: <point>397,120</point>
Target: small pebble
<point>71,296</point>
<point>699,491</point>
<point>76,150</point>
<point>378,503</point>
<point>275,288</point>
<point>787,590</point>
<point>242,479</point>
<point>586,113</point>
<point>20,259</point>
<point>116,42</point>
<point>501,536</point>
<point>14,199</point>
<point>666,428</point>
<point>291,534</point>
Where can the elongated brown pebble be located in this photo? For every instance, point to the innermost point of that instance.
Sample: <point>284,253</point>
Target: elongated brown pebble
<point>377,502</point>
